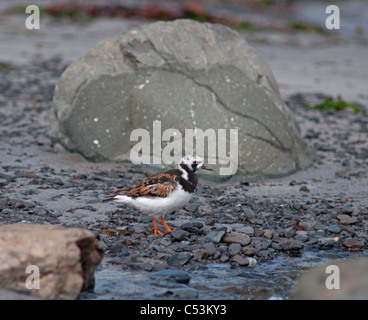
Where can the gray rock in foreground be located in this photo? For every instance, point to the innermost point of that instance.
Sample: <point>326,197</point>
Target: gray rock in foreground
<point>48,262</point>
<point>186,75</point>
<point>340,280</point>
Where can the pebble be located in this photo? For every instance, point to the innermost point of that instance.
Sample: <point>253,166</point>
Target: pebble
<point>172,275</point>
<point>252,262</point>
<point>224,257</point>
<point>215,236</point>
<point>318,225</point>
<point>192,227</point>
<point>304,189</point>
<point>240,260</point>
<point>333,229</point>
<point>249,251</point>
<point>302,237</point>
<point>119,250</point>
<point>326,243</point>
<point>210,248</point>
<point>179,259</point>
<point>268,233</point>
<point>353,244</point>
<point>178,235</point>
<point>199,254</point>
<point>158,248</point>
<point>249,213</point>
<point>291,245</point>
<point>245,229</point>
<point>348,210</point>
<point>234,249</point>
<point>236,237</point>
<point>345,219</point>
<point>216,255</point>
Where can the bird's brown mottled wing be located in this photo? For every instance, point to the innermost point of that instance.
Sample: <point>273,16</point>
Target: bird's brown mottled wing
<point>159,185</point>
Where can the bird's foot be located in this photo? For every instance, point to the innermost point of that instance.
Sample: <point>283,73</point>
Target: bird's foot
<point>166,226</point>
<point>155,229</point>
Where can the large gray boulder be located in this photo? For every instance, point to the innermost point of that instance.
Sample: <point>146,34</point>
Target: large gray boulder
<point>177,75</point>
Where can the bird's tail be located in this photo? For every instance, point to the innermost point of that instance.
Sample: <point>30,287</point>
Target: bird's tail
<point>111,198</point>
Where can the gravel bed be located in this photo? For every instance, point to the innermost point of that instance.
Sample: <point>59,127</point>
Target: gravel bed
<point>322,208</point>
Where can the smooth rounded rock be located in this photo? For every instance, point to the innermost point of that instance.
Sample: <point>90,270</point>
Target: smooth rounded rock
<point>168,274</point>
<point>184,75</point>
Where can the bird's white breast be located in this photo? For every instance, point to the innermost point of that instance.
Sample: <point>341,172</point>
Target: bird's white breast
<point>159,206</point>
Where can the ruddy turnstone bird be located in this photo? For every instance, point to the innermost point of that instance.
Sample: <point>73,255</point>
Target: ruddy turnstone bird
<point>163,193</point>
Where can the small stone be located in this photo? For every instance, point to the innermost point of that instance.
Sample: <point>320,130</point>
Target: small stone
<point>179,259</point>
<point>200,254</point>
<point>249,251</point>
<point>210,248</point>
<point>236,237</point>
<point>19,205</point>
<point>318,226</point>
<point>252,262</point>
<point>260,243</point>
<point>119,250</point>
<point>216,255</point>
<point>348,210</point>
<point>291,245</point>
<point>345,219</point>
<point>296,206</point>
<point>222,248</point>
<point>224,257</point>
<point>174,275</point>
<point>353,244</point>
<point>245,229</point>
<point>258,233</point>
<point>289,233</point>
<point>192,227</point>
<point>334,229</point>
<point>215,236</point>
<point>304,189</point>
<point>268,233</point>
<point>320,233</point>
<point>301,236</point>
<point>275,246</point>
<point>305,226</point>
<point>326,243</point>
<point>249,213</point>
<point>158,248</point>
<point>178,235</point>
<point>56,214</point>
<point>234,249</point>
<point>211,222</point>
<point>240,260</point>
<point>191,207</point>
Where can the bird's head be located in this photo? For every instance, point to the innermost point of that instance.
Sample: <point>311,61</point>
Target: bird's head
<point>192,163</point>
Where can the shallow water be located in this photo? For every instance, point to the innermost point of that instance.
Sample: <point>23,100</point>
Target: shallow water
<point>274,279</point>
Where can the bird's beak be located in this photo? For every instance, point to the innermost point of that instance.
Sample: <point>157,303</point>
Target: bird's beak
<point>205,168</point>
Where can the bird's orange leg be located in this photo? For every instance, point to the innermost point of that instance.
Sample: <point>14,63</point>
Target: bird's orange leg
<point>166,226</point>
<point>155,229</point>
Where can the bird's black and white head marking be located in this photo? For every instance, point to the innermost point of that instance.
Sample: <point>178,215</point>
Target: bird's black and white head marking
<point>189,165</point>
<point>192,163</point>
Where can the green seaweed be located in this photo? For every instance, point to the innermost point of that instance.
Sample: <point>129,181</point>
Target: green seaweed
<point>335,105</point>
<point>307,27</point>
